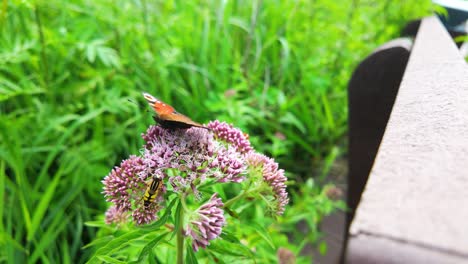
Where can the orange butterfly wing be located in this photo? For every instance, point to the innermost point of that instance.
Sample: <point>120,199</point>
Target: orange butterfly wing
<point>177,117</point>
<point>159,106</point>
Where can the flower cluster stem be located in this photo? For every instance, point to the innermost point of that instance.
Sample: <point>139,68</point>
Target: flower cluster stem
<point>241,195</point>
<point>234,199</point>
<point>180,239</point>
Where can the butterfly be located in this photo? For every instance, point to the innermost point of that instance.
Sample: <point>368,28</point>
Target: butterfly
<point>167,116</point>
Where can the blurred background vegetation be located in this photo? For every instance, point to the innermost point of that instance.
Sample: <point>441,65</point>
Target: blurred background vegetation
<point>276,69</point>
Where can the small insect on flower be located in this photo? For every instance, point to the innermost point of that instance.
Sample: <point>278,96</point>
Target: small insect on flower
<point>167,116</point>
<point>154,186</point>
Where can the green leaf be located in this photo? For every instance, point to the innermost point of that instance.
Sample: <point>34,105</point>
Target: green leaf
<point>231,249</point>
<point>323,248</point>
<point>148,247</point>
<point>263,233</point>
<point>178,221</point>
<point>97,223</point>
<point>48,237</point>
<point>2,192</point>
<point>43,205</point>
<point>290,119</point>
<point>99,241</point>
<point>190,257</point>
<point>230,237</point>
<point>116,244</point>
<point>108,259</point>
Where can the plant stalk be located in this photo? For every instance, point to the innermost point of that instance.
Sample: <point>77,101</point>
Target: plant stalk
<point>180,238</point>
<point>45,66</point>
<point>3,12</point>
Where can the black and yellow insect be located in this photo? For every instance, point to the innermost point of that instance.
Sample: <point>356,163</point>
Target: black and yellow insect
<point>154,186</point>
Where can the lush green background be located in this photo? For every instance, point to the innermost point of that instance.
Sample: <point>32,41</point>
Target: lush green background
<point>277,69</point>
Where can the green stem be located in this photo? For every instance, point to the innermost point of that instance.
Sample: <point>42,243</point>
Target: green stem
<point>234,199</point>
<point>3,12</point>
<point>243,194</point>
<point>147,26</point>
<point>180,235</point>
<point>45,66</point>
<point>182,201</point>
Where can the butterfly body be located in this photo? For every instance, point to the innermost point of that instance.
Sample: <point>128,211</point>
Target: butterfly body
<point>167,116</point>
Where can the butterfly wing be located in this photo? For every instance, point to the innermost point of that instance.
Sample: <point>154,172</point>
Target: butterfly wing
<point>159,106</point>
<point>180,118</point>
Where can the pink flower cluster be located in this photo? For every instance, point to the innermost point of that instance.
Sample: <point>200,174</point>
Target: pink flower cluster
<point>231,135</point>
<point>206,223</point>
<point>183,160</point>
<point>120,180</point>
<point>273,176</point>
<point>124,186</point>
<point>193,153</point>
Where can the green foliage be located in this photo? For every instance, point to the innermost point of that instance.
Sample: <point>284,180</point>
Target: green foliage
<point>277,69</point>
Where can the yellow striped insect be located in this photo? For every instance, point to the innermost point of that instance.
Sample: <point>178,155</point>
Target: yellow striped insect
<point>154,186</point>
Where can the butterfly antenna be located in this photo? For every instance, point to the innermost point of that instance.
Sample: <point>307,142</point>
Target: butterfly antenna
<point>139,106</point>
<point>133,102</point>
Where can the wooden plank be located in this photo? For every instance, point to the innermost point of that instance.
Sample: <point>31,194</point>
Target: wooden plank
<point>417,192</point>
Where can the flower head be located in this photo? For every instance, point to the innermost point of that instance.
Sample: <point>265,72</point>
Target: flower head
<point>285,256</point>
<point>333,193</point>
<point>114,215</point>
<point>185,162</point>
<point>231,135</point>
<point>194,154</point>
<point>121,181</point>
<point>206,223</point>
<point>183,159</point>
<point>273,176</point>
<point>125,187</point>
<point>143,215</point>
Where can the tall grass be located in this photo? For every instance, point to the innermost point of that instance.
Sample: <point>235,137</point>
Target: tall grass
<point>277,69</point>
